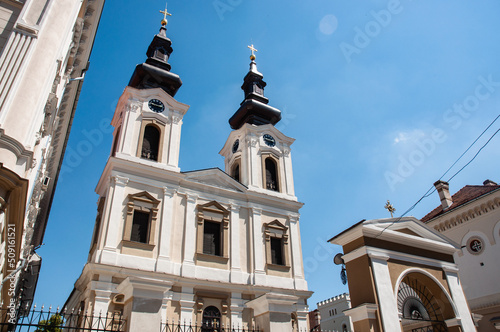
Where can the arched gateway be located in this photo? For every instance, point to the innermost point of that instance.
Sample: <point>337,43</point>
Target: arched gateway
<point>402,277</point>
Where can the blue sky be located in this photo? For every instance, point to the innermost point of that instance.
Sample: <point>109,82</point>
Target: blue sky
<point>381,97</point>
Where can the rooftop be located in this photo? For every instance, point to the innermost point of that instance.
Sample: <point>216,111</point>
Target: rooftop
<point>463,196</point>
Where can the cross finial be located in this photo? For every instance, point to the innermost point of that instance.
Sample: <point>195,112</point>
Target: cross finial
<point>388,206</point>
<point>165,14</point>
<point>252,57</point>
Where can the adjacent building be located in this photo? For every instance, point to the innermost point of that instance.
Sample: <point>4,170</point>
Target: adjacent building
<point>471,218</point>
<point>212,247</point>
<point>402,277</point>
<point>44,51</point>
<point>332,313</point>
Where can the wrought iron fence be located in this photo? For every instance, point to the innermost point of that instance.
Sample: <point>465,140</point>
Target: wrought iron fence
<point>189,327</point>
<point>41,320</point>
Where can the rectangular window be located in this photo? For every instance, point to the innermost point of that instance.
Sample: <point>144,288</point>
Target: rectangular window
<point>276,251</point>
<point>140,227</point>
<point>211,238</point>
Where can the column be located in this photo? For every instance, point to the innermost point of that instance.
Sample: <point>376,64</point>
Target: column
<point>385,293</point>
<point>237,305</point>
<point>188,267</point>
<point>164,264</point>
<point>464,318</point>
<point>258,247</point>
<point>114,220</point>
<point>236,275</point>
<point>187,305</point>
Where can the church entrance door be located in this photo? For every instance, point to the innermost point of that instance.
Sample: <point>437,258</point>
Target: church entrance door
<point>211,320</point>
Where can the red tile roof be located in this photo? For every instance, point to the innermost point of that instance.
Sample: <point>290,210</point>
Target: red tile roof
<point>463,196</point>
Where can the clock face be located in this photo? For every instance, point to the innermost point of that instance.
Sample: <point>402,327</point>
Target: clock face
<point>156,105</point>
<point>236,145</point>
<point>269,140</point>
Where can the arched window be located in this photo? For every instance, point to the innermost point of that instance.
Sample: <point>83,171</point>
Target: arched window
<point>236,172</point>
<point>271,174</point>
<point>344,328</point>
<point>150,143</point>
<point>211,320</point>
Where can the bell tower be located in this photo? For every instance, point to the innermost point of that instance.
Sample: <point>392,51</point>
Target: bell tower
<point>148,119</point>
<point>256,153</point>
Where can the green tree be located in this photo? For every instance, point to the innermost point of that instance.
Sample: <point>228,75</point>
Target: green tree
<point>53,324</point>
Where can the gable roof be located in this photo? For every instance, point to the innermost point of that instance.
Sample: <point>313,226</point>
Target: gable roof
<point>463,196</point>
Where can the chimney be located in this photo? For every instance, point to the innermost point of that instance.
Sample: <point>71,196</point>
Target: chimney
<point>443,189</point>
<point>489,183</point>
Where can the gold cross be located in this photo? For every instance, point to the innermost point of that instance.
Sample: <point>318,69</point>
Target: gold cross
<point>252,57</point>
<point>388,206</point>
<point>165,14</point>
<point>253,49</point>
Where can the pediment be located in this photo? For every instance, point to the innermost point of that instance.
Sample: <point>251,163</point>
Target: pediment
<point>215,177</point>
<point>276,224</point>
<point>144,196</point>
<point>408,228</point>
<point>214,206</point>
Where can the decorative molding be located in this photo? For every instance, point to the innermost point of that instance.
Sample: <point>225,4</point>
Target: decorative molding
<point>169,192</point>
<point>120,180</point>
<point>252,142</point>
<point>16,147</point>
<point>454,219</point>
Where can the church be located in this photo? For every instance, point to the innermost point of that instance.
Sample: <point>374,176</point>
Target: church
<point>209,247</point>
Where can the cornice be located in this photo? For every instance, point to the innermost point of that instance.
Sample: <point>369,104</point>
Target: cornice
<point>471,210</point>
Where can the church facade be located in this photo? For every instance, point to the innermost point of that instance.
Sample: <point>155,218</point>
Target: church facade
<point>220,248</point>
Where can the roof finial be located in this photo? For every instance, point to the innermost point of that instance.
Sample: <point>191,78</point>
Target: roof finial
<point>165,13</point>
<point>252,57</point>
<point>388,206</point>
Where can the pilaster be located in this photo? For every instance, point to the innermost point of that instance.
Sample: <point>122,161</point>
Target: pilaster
<point>146,300</point>
<point>236,275</point>
<point>258,247</point>
<point>254,162</point>
<point>127,130</point>
<point>385,292</point>
<point>188,267</point>
<point>272,311</point>
<point>237,305</point>
<point>175,137</point>
<point>115,218</point>
<point>164,259</point>
<point>464,319</point>
<point>187,304</point>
